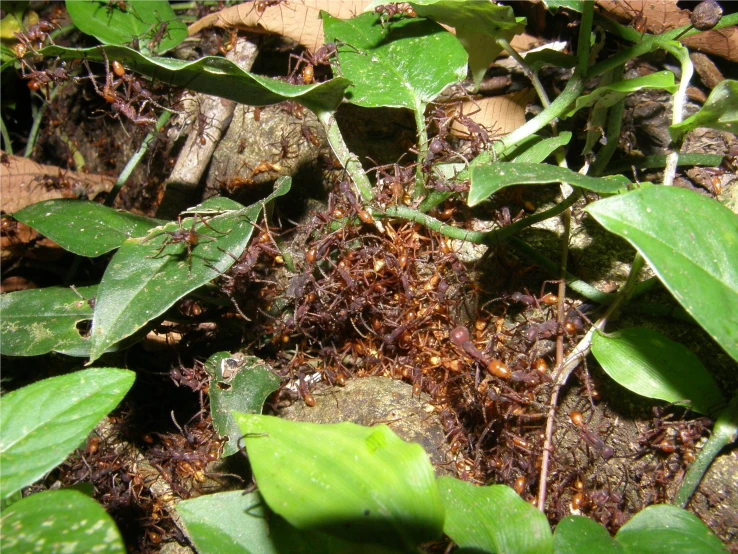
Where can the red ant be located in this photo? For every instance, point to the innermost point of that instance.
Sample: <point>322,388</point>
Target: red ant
<point>388,11</point>
<point>190,238</point>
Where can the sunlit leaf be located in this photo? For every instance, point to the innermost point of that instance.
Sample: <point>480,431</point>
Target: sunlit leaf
<point>403,65</point>
<point>237,385</point>
<point>647,363</point>
<point>84,228</point>
<point>488,178</point>
<point>720,112</point>
<point>691,242</point>
<point>59,521</point>
<point>214,76</point>
<point>353,482</point>
<point>666,529</point>
<point>147,276</point>
<point>577,534</point>
<point>152,24</point>
<point>241,523</point>
<point>493,519</point>
<point>44,422</point>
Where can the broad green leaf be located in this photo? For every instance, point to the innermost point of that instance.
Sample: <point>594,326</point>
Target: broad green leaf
<point>44,422</point>
<point>665,529</point>
<point>213,75</point>
<point>647,363</point>
<point>241,523</point>
<point>38,321</point>
<point>150,23</point>
<point>493,519</point>
<point>356,483</point>
<point>402,65</point>
<point>606,96</point>
<point>488,178</point>
<point>147,276</point>
<point>577,534</point>
<point>478,25</point>
<point>237,385</point>
<point>59,521</point>
<point>719,112</point>
<point>691,242</point>
<point>543,149</point>
<point>549,57</point>
<point>85,228</point>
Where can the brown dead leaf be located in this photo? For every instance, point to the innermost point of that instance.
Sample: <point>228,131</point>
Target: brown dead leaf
<point>295,19</point>
<point>23,182</point>
<point>659,16</point>
<point>498,114</point>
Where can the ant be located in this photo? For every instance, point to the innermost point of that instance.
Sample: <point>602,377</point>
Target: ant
<point>388,11</point>
<point>321,56</point>
<point>190,238</point>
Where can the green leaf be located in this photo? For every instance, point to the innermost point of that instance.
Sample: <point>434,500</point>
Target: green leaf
<point>549,58</point>
<point>237,385</point>
<point>719,112</point>
<point>665,529</point>
<point>241,523</point>
<point>647,363</point>
<point>59,521</point>
<point>402,65</point>
<point>493,519</point>
<point>604,97</point>
<point>543,149</point>
<point>577,534</point>
<point>215,76</point>
<point>39,321</point>
<point>488,178</point>
<point>691,242</point>
<point>353,482</point>
<point>44,422</point>
<point>478,25</point>
<point>85,228</point>
<point>151,23</point>
<point>143,280</point>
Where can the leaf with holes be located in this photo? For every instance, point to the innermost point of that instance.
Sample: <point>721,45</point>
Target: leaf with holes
<point>150,23</point>
<point>147,276</point>
<point>493,519</point>
<point>44,422</point>
<point>237,385</point>
<point>358,483</point>
<point>647,363</point>
<point>402,65</point>
<point>39,321</point>
<point>488,178</point>
<point>59,521</point>
<point>214,76</point>
<point>85,228</point>
<point>691,242</point>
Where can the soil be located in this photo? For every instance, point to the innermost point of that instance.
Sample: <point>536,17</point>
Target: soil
<point>371,310</point>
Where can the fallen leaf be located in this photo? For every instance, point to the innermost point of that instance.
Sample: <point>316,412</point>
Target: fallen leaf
<point>659,16</point>
<point>498,114</point>
<point>298,20</point>
<point>24,182</point>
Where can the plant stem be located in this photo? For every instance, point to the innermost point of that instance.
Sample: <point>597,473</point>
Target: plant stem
<point>724,433</point>
<point>136,158</point>
<point>614,123</point>
<point>532,75</point>
<point>419,113</point>
<point>349,160</point>
<point>8,146</point>
<point>677,114</point>
<point>37,117</point>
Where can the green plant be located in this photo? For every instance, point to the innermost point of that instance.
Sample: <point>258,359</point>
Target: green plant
<point>155,266</point>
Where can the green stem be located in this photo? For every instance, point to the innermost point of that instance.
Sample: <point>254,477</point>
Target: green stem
<point>6,138</point>
<point>419,113</point>
<point>532,75</point>
<point>682,54</point>
<point>614,123</point>
<point>724,433</point>
<point>136,158</point>
<point>348,160</point>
